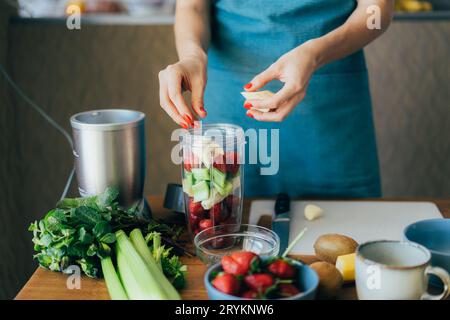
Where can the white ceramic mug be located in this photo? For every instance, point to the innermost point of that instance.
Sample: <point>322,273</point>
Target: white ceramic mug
<point>396,270</point>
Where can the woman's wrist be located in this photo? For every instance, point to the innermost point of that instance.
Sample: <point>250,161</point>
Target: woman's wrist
<point>315,52</point>
<point>196,53</point>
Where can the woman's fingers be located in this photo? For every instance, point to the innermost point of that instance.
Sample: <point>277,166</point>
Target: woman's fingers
<point>261,79</point>
<point>286,93</point>
<point>167,104</point>
<point>174,89</point>
<point>278,114</point>
<point>197,92</point>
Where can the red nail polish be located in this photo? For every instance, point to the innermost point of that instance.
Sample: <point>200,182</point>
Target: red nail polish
<point>248,105</point>
<point>184,125</point>
<point>249,115</point>
<point>188,119</point>
<point>248,85</point>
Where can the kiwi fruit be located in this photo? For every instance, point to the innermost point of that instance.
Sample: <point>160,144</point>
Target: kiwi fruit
<point>330,279</point>
<point>330,246</point>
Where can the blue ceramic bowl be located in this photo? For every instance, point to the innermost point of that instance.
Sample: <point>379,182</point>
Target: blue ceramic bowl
<point>307,279</point>
<point>433,234</point>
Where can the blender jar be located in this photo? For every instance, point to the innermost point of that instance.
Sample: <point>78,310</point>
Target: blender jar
<point>212,176</point>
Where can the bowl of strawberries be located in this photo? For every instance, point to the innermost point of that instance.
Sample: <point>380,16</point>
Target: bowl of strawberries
<point>245,275</point>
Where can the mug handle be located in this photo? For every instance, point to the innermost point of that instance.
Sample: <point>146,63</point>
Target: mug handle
<point>445,278</point>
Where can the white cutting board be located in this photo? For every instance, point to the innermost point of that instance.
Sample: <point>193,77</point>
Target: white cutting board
<point>361,220</point>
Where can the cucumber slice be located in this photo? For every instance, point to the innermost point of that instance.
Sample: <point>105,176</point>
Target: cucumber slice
<point>219,177</point>
<point>188,182</point>
<point>226,190</point>
<point>200,191</point>
<point>201,174</point>
<point>214,197</point>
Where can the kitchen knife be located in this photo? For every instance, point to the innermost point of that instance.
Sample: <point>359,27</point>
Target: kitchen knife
<point>281,220</point>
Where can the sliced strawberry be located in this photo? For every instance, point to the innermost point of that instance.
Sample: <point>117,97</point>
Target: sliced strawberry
<point>250,294</point>
<point>190,161</point>
<point>232,267</point>
<point>205,224</point>
<point>259,282</point>
<point>219,163</point>
<point>282,269</point>
<point>287,290</point>
<point>195,208</point>
<point>226,283</point>
<point>244,259</point>
<point>231,160</point>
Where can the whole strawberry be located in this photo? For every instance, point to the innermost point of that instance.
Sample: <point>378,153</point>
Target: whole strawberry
<point>239,263</point>
<point>226,283</point>
<point>205,224</point>
<point>259,282</point>
<point>287,290</point>
<point>196,208</point>
<point>250,294</point>
<point>282,269</point>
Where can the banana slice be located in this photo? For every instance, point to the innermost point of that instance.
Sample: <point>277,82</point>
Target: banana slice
<point>258,95</point>
<point>313,212</point>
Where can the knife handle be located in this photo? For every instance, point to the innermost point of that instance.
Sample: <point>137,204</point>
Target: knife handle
<point>282,204</point>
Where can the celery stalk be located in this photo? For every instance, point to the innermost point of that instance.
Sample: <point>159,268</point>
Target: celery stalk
<point>157,249</point>
<point>141,246</point>
<point>115,288</point>
<point>139,281</point>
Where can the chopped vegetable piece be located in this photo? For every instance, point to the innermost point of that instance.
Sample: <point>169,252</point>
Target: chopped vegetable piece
<point>346,266</point>
<point>188,182</point>
<point>201,174</point>
<point>201,191</point>
<point>219,178</point>
<point>214,198</point>
<point>226,190</point>
<point>313,212</point>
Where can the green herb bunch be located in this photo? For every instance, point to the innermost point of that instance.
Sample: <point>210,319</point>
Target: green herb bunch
<point>80,231</point>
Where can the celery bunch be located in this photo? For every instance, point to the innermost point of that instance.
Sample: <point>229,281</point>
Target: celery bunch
<point>139,276</point>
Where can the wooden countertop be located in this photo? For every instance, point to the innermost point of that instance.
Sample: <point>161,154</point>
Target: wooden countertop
<point>47,285</point>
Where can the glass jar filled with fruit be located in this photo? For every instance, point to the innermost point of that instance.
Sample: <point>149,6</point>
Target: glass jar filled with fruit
<point>212,174</point>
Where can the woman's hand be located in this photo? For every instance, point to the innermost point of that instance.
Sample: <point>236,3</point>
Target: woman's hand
<point>187,74</point>
<point>294,69</point>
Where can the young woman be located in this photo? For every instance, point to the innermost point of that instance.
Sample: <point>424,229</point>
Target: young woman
<point>310,54</point>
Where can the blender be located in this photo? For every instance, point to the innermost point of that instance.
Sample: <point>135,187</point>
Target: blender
<point>110,151</point>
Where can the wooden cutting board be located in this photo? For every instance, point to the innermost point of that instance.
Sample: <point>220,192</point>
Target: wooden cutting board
<point>361,220</point>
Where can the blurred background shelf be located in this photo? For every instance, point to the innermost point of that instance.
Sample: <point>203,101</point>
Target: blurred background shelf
<point>431,15</point>
<point>103,19</point>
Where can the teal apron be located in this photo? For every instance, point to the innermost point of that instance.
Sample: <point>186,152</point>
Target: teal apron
<point>327,144</point>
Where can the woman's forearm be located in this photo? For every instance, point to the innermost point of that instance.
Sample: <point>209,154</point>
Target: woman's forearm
<point>355,33</point>
<point>192,33</point>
